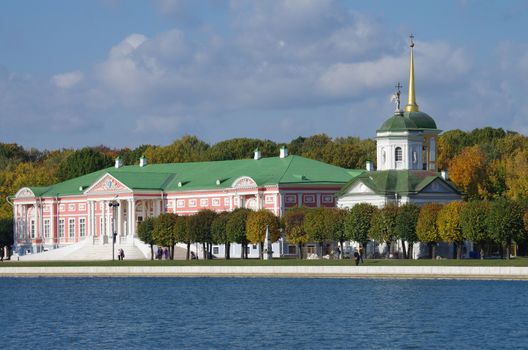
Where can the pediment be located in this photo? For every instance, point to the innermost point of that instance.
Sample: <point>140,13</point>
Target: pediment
<point>107,184</point>
<point>25,192</point>
<point>437,186</point>
<point>244,182</point>
<point>360,188</point>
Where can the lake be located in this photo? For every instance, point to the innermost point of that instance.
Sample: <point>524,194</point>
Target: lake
<point>261,313</point>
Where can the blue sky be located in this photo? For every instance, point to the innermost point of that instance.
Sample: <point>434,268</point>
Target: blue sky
<point>124,73</point>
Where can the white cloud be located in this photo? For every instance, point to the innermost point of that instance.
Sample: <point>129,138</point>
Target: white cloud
<point>67,80</point>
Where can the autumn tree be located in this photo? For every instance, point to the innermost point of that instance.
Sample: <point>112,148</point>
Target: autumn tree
<point>293,224</point>
<point>81,162</point>
<point>449,228</point>
<point>473,222</point>
<point>183,233</point>
<point>199,226</point>
<point>219,233</point>
<point>383,224</point>
<point>145,233</point>
<point>505,222</point>
<point>257,222</point>
<point>468,169</point>
<point>241,148</point>
<point>358,222</point>
<point>236,229</point>
<point>186,149</point>
<point>427,228</point>
<point>516,168</point>
<point>405,227</point>
<point>334,221</point>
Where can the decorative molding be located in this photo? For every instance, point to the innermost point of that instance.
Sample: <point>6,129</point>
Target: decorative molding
<point>107,184</point>
<point>244,182</point>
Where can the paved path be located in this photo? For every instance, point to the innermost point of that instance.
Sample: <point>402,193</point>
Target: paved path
<point>450,272</point>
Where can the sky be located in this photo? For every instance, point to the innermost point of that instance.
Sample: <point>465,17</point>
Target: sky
<point>125,73</point>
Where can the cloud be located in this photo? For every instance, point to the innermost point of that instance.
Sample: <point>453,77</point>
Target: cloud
<point>67,80</point>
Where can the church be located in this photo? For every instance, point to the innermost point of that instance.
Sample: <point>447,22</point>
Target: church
<point>77,219</point>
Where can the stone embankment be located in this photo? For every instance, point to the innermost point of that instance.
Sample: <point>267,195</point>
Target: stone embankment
<point>426,272</point>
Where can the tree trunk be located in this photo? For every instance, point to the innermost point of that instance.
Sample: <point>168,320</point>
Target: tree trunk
<point>459,251</point>
<point>404,249</point>
<point>508,246</point>
<point>299,254</point>
<point>204,249</point>
<point>261,252</point>
<point>341,253</point>
<point>172,251</point>
<point>188,250</point>
<point>152,252</point>
<point>227,248</point>
<point>433,251</point>
<point>410,250</point>
<point>242,246</point>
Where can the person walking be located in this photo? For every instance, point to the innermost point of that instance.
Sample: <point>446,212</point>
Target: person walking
<point>361,251</point>
<point>122,254</point>
<point>356,258</point>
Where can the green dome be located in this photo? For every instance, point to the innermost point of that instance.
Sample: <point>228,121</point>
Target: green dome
<point>408,121</point>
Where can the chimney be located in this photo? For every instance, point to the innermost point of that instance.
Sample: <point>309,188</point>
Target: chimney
<point>283,152</point>
<point>142,161</point>
<point>118,162</point>
<point>257,155</point>
<point>444,175</point>
<point>369,166</point>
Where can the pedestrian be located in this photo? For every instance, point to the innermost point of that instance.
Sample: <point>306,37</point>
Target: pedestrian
<point>361,253</point>
<point>159,253</point>
<point>166,253</point>
<point>356,258</point>
<point>122,256</point>
<point>338,251</point>
<point>119,254</point>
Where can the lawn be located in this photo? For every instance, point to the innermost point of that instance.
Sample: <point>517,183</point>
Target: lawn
<point>519,261</point>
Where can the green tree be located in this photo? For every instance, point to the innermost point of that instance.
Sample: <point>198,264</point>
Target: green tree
<point>236,229</point>
<point>219,232</point>
<point>473,222</point>
<point>293,223</point>
<point>335,225</point>
<point>358,222</point>
<point>449,228</point>
<point>382,228</point>
<point>405,228</point>
<point>427,228</point>
<point>6,234</point>
<point>199,226</point>
<point>165,232</point>
<point>145,233</point>
<point>314,225</point>
<point>241,148</point>
<point>505,223</point>
<point>183,233</point>
<point>256,224</point>
<point>186,149</point>
<point>82,162</point>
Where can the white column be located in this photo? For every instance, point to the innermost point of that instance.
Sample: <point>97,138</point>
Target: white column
<point>299,200</point>
<point>119,218</point>
<point>52,220</point>
<point>35,218</point>
<point>318,199</point>
<point>133,221</point>
<point>257,198</point>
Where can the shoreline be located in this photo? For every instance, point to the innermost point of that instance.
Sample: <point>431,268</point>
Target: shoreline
<point>371,272</point>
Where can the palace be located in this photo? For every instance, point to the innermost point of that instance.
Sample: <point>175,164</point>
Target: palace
<point>88,210</point>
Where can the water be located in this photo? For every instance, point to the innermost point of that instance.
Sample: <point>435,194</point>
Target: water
<point>259,313</point>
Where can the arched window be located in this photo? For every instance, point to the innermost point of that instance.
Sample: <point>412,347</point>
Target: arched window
<point>398,155</point>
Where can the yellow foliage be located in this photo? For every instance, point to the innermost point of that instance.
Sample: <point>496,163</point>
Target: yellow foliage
<point>467,170</point>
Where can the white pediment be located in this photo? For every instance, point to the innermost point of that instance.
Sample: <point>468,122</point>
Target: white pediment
<point>24,192</point>
<point>360,187</point>
<point>437,186</point>
<point>107,184</point>
<point>244,182</point>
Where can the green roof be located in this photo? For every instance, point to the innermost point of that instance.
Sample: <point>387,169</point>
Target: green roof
<point>402,121</point>
<point>396,181</point>
<point>291,170</point>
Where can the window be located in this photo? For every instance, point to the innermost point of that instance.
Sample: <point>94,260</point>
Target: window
<point>216,202</point>
<point>215,250</point>
<point>47,228</point>
<point>269,199</point>
<point>327,199</point>
<point>309,199</point>
<point>180,203</point>
<point>292,250</point>
<point>32,229</point>
<point>101,226</point>
<point>82,206</point>
<point>192,203</point>
<point>226,201</point>
<point>82,227</point>
<point>398,155</point>
<point>61,228</point>
<point>71,207</point>
<point>71,228</point>
<point>204,202</point>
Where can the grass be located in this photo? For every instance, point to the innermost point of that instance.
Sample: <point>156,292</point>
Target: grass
<point>519,261</point>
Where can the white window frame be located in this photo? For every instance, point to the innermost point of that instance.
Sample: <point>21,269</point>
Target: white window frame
<point>398,154</point>
<point>70,231</point>
<point>32,229</point>
<point>82,227</point>
<point>61,228</point>
<point>192,203</point>
<point>46,228</point>
<point>204,202</point>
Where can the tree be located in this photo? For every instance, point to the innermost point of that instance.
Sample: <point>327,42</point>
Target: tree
<point>236,229</point>
<point>450,143</point>
<point>468,170</point>
<point>219,233</point>
<point>145,233</point>
<point>505,222</point>
<point>516,167</point>
<point>186,149</point>
<point>335,225</point>
<point>165,232</point>
<point>473,222</point>
<point>293,223</point>
<point>183,233</point>
<point>199,226</point>
<point>383,225</point>
<point>241,148</point>
<point>426,226</point>
<point>449,227</point>
<point>81,162</point>
<point>405,228</point>
<point>358,222</point>
<point>6,234</point>
<point>257,222</point>
<point>314,225</point>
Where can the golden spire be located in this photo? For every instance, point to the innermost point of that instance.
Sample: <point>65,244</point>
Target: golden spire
<point>411,103</point>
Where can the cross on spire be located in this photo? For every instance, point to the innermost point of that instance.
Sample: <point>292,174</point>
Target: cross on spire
<point>396,96</point>
<point>411,37</point>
